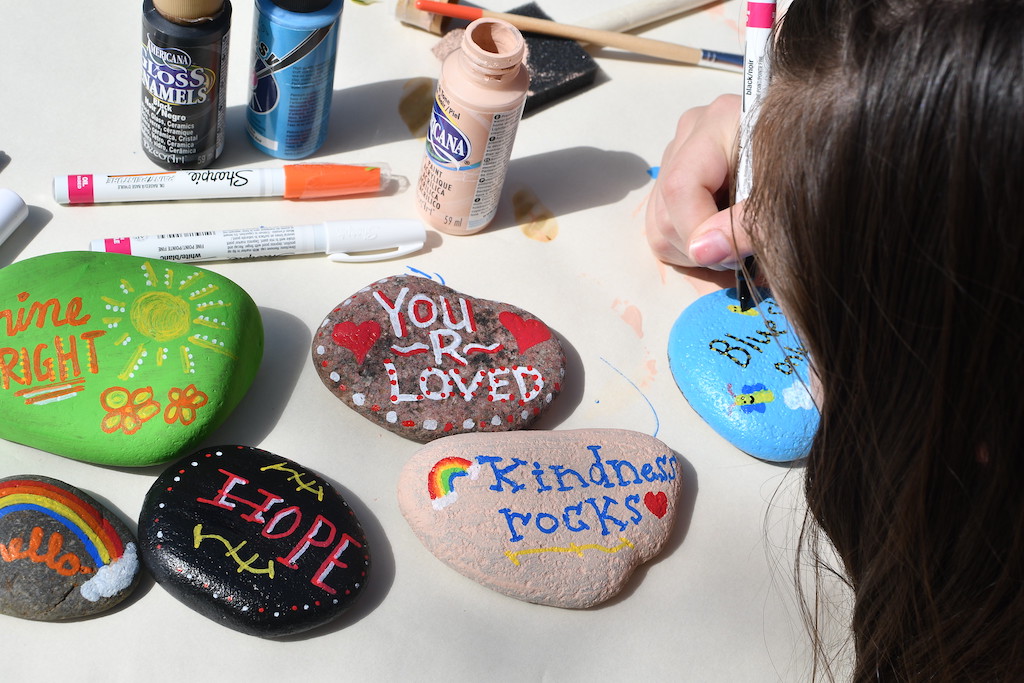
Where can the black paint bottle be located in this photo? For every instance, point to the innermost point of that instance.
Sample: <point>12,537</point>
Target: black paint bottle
<point>184,64</point>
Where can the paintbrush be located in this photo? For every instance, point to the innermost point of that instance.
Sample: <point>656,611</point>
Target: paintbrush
<point>623,41</point>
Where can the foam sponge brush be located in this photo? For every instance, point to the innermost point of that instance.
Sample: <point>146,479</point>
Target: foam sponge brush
<point>557,66</point>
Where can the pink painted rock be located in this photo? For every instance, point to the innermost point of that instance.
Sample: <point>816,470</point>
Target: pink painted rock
<point>558,518</point>
<point>425,361</point>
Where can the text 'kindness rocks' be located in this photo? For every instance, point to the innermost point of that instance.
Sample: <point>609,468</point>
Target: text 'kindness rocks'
<point>254,541</point>
<point>558,518</point>
<point>425,361</point>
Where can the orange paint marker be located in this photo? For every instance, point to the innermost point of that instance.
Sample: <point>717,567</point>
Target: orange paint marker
<point>294,181</point>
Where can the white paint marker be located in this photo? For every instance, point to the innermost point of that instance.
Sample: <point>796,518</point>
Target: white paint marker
<point>13,211</point>
<point>355,241</point>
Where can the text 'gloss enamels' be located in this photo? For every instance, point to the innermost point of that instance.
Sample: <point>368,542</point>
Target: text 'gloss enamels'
<point>294,181</point>
<point>184,89</point>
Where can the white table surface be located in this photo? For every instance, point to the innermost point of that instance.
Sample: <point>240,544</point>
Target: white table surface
<point>717,605</point>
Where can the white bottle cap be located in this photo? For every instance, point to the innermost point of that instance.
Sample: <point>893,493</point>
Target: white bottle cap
<point>12,212</point>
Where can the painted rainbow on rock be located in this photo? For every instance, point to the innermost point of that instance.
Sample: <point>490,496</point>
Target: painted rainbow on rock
<point>441,479</point>
<point>79,517</point>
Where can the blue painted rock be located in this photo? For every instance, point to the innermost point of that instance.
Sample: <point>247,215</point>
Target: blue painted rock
<point>745,373</point>
<point>425,361</point>
<point>557,518</point>
<point>253,541</point>
<point>62,554</point>
<point>120,360</point>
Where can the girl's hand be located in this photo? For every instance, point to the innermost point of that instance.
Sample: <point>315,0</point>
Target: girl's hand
<point>684,224</point>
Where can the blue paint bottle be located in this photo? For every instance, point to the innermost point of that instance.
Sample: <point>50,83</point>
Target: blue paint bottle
<point>295,44</point>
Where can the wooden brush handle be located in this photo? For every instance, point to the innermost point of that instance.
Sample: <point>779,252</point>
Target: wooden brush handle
<point>622,41</point>
<point>626,16</point>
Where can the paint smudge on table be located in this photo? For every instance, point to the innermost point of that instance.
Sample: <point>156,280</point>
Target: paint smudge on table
<point>630,315</point>
<point>536,220</point>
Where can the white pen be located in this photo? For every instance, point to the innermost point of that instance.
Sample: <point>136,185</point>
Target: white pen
<point>354,241</point>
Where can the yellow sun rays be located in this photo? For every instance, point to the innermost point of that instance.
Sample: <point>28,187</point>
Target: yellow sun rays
<point>170,313</point>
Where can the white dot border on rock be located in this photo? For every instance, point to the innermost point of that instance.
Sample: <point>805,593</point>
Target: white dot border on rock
<point>280,610</point>
<point>364,404</point>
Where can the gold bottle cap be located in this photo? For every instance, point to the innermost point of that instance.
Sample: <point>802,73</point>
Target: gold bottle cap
<point>188,11</point>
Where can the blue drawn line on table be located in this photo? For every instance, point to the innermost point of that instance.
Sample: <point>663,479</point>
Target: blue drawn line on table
<point>657,421</point>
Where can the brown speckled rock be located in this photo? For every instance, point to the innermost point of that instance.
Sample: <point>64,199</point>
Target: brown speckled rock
<point>558,518</point>
<point>425,361</point>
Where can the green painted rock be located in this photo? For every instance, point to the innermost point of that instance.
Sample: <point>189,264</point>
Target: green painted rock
<point>120,360</point>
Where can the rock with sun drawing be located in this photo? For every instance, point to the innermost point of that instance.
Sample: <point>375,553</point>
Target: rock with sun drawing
<point>119,360</point>
<point>425,361</point>
<point>558,518</point>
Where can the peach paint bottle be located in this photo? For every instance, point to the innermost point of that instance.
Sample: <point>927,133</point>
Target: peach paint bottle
<point>477,107</point>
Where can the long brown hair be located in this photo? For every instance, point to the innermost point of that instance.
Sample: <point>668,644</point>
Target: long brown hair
<point>889,204</point>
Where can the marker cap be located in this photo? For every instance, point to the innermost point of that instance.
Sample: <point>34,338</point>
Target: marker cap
<point>73,189</point>
<point>318,181</point>
<point>360,241</point>
<point>13,211</point>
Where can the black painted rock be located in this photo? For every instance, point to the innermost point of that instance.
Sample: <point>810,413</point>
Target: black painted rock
<point>254,541</point>
<point>62,554</point>
<point>425,361</point>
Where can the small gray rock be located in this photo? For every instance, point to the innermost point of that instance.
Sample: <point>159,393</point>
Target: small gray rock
<point>62,554</point>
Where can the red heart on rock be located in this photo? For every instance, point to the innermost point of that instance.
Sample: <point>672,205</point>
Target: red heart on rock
<point>358,339</point>
<point>657,503</point>
<point>526,332</point>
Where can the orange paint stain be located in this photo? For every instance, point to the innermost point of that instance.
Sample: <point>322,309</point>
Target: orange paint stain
<point>536,220</point>
<point>652,371</point>
<point>631,315</point>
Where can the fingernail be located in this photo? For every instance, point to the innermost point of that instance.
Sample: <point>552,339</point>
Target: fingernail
<point>711,249</point>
